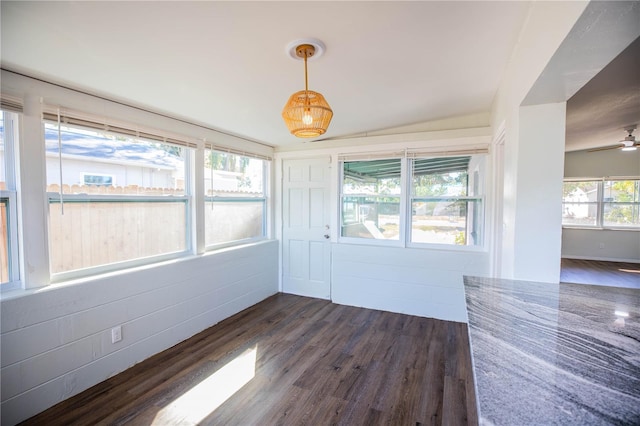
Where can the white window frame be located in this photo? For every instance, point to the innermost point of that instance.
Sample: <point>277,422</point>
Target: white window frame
<point>11,125</point>
<point>600,203</point>
<point>405,215</point>
<point>401,241</point>
<point>186,198</point>
<point>266,163</point>
<point>481,202</point>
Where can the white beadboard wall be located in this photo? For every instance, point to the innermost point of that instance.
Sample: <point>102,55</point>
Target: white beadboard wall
<point>56,342</point>
<point>423,282</point>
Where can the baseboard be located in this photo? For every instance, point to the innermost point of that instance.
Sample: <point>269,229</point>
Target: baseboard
<point>604,259</point>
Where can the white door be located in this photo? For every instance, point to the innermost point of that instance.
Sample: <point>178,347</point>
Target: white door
<point>306,253</point>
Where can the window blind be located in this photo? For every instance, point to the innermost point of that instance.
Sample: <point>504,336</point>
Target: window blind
<point>437,151</point>
<point>83,120</point>
<point>366,156</point>
<point>447,152</point>
<point>229,150</point>
<point>600,178</point>
<point>10,103</point>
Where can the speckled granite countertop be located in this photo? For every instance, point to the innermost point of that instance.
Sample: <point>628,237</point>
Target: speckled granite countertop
<point>548,354</point>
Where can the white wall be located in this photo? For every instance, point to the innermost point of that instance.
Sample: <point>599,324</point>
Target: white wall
<point>56,342</point>
<point>414,281</point>
<point>421,282</point>
<point>553,59</point>
<point>538,218</point>
<point>612,162</point>
<point>547,25</point>
<point>600,244</point>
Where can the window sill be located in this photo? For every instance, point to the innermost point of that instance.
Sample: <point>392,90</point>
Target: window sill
<point>10,287</point>
<point>448,247</point>
<point>232,244</point>
<point>413,246</point>
<point>601,228</point>
<point>87,279</point>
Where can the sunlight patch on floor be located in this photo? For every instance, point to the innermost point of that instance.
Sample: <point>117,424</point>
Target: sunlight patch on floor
<point>201,400</point>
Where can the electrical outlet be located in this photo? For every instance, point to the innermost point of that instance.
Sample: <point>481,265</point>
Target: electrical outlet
<point>601,245</point>
<point>116,334</point>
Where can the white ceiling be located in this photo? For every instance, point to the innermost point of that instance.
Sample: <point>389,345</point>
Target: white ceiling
<point>600,111</point>
<point>223,64</point>
<point>387,64</point>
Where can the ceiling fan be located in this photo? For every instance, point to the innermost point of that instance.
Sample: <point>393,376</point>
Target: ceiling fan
<point>629,143</point>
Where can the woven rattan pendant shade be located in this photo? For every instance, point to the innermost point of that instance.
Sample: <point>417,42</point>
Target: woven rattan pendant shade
<point>307,114</point>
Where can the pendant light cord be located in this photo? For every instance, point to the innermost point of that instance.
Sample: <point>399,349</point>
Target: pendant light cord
<point>306,79</point>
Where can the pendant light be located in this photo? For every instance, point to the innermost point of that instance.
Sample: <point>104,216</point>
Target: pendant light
<point>307,114</point>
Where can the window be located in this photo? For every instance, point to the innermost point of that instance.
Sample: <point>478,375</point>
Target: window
<point>235,200</point>
<point>580,203</point>
<point>114,199</point>
<point>445,208</point>
<point>9,267</point>
<point>601,203</point>
<point>621,203</point>
<point>371,199</point>
<point>443,203</point>
<point>98,180</point>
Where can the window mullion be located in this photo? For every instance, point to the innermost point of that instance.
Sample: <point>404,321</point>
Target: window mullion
<point>266,192</point>
<point>10,136</point>
<point>194,188</point>
<point>340,221</point>
<point>406,195</point>
<point>10,132</point>
<point>32,205</point>
<point>600,216</point>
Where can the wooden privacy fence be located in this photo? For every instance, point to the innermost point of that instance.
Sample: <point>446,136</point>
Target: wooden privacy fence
<point>113,190</point>
<point>104,232</point>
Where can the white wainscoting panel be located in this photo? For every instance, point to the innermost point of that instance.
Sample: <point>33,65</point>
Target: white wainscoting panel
<point>56,342</point>
<point>421,282</point>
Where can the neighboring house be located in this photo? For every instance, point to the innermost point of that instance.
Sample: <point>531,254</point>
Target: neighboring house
<point>578,210</point>
<point>91,159</point>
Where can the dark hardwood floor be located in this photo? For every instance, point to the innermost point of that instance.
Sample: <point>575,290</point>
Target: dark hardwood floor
<point>616,274</point>
<point>306,361</point>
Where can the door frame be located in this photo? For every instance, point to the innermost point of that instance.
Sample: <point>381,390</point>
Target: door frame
<point>278,213</point>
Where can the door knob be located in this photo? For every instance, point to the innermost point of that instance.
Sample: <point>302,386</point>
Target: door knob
<point>327,236</point>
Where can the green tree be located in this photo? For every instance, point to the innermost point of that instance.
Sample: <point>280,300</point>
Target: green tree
<point>226,162</point>
<point>622,202</point>
<point>171,149</point>
<point>569,187</point>
<point>433,185</point>
<point>624,190</point>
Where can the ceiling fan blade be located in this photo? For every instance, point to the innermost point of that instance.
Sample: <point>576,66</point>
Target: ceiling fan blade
<point>604,148</point>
